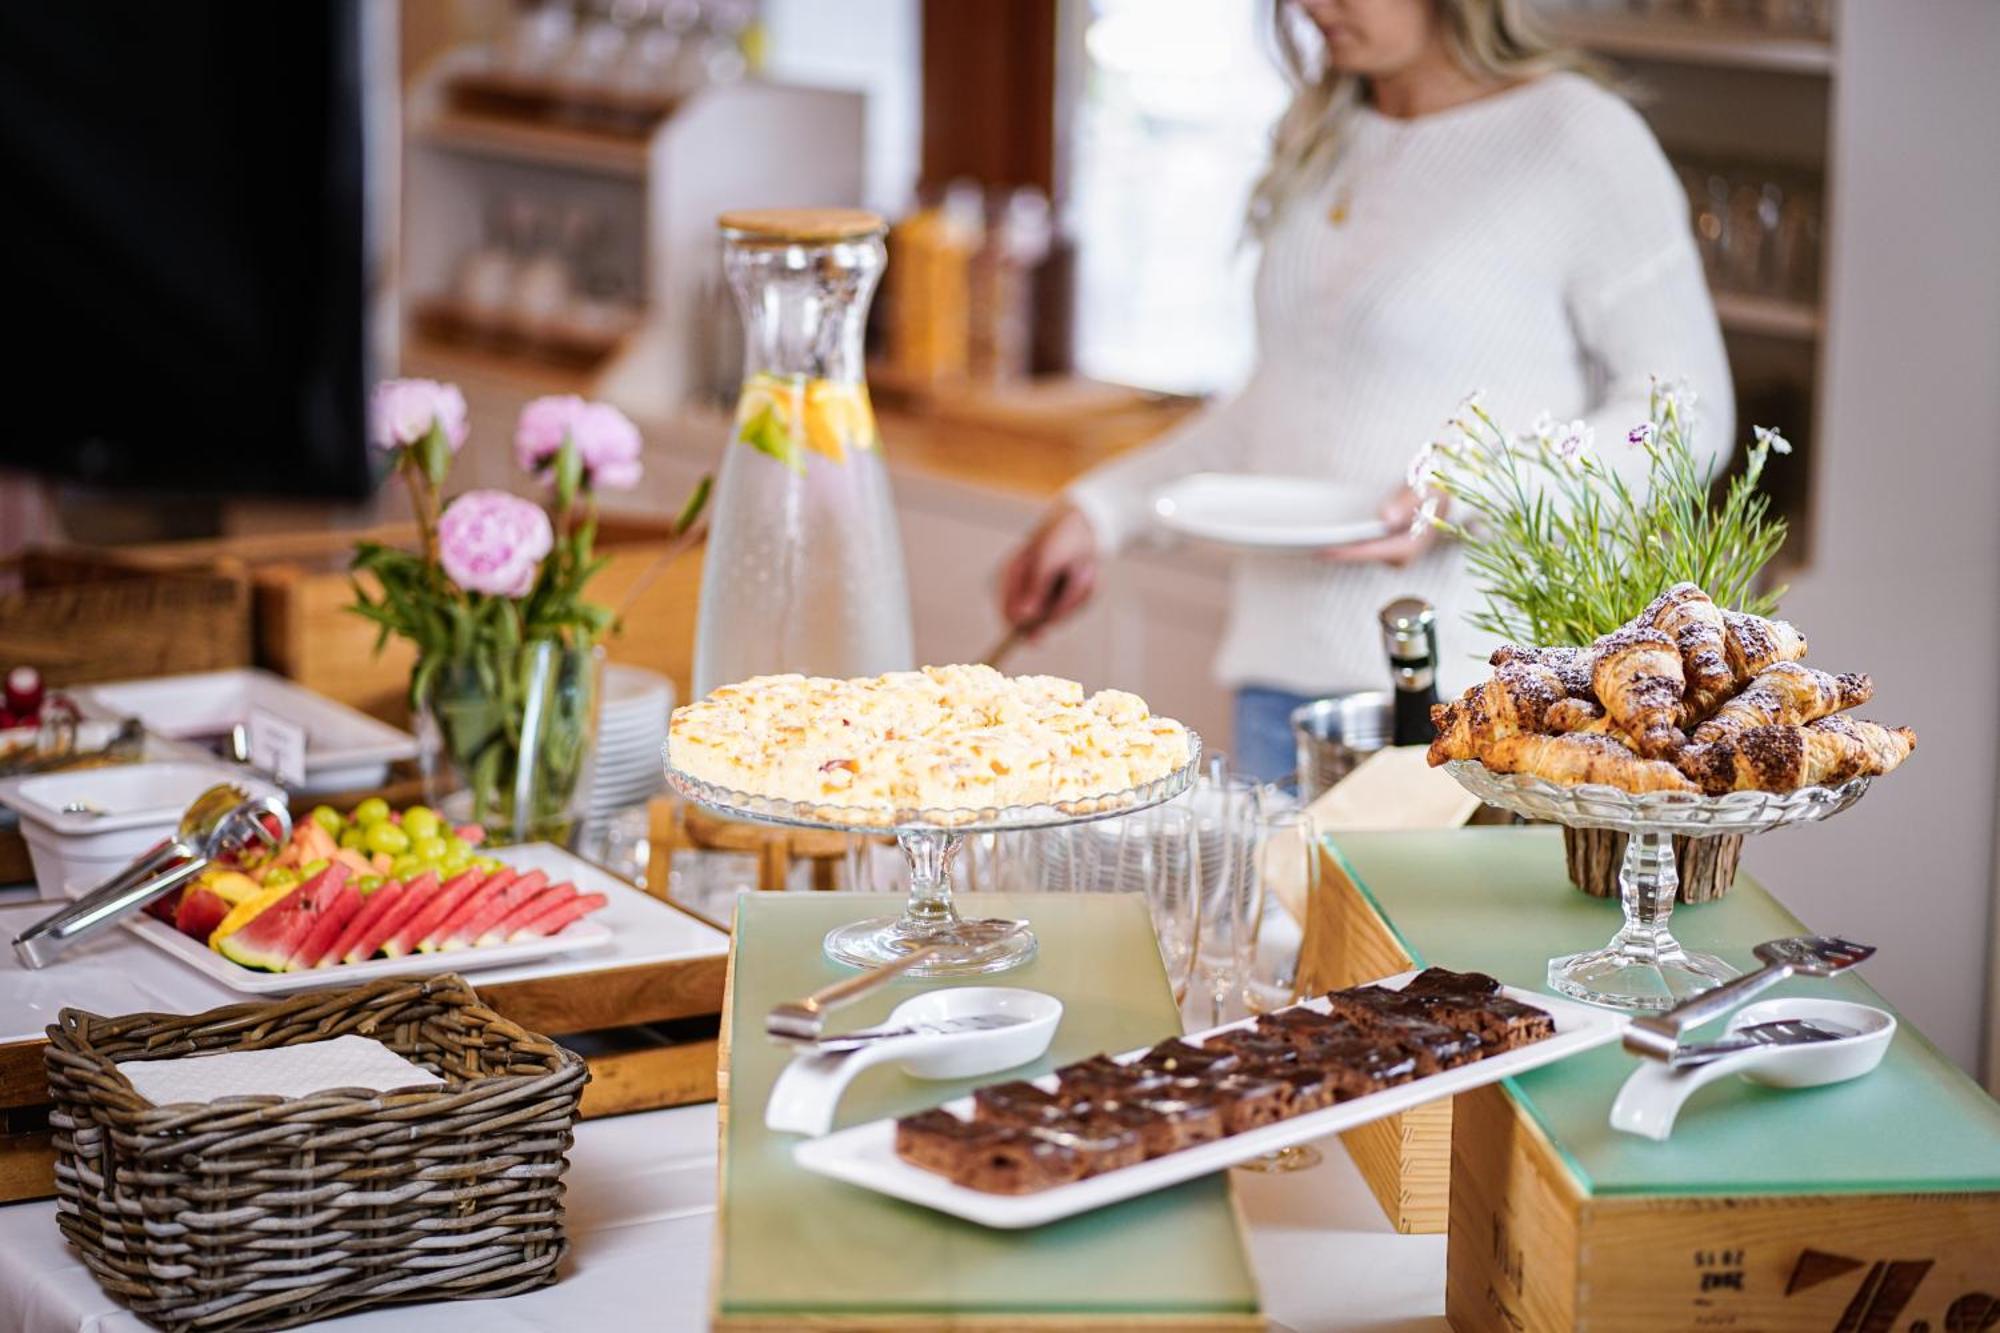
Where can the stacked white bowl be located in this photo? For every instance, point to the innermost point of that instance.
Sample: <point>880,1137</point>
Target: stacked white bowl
<point>631,739</point>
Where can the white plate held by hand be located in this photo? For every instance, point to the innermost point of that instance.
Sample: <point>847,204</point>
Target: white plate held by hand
<point>1269,513</point>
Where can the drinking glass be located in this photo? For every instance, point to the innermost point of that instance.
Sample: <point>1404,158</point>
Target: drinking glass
<point>1225,816</point>
<point>1168,848</point>
<point>1283,864</point>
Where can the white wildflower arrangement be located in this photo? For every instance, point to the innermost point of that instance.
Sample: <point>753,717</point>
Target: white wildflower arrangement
<point>1567,549</point>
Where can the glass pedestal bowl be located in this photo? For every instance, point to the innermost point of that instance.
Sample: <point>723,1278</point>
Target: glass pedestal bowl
<point>930,840</point>
<point>1644,966</point>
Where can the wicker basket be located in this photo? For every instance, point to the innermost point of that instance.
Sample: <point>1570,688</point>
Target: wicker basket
<point>266,1212</point>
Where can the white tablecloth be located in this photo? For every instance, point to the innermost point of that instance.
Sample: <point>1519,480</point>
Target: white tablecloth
<point>642,1216</point>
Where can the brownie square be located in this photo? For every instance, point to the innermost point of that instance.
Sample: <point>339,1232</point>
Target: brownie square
<point>1177,1057</point>
<point>1443,981</point>
<point>1020,1104</point>
<point>1016,1161</point>
<point>1257,1045</point>
<point>1251,1099</point>
<point>1306,1089</point>
<point>1306,1028</point>
<point>938,1140</point>
<point>1362,1062</point>
<point>1179,1118</point>
<point>1104,1141</point>
<point>1408,1021</point>
<point>1500,1023</point>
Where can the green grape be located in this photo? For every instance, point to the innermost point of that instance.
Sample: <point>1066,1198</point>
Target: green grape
<point>371,811</point>
<point>368,883</point>
<point>432,848</point>
<point>329,819</point>
<point>311,868</point>
<point>354,839</point>
<point>405,867</point>
<point>420,822</point>
<point>455,846</point>
<point>281,879</point>
<point>386,837</point>
<point>487,863</point>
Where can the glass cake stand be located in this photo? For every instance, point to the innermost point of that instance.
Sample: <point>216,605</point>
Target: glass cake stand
<point>930,839</point>
<point>1644,966</point>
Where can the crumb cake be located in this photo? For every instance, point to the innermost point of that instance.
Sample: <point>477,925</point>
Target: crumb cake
<point>943,738</point>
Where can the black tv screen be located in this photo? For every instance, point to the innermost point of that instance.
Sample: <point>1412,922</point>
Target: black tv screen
<point>184,246</point>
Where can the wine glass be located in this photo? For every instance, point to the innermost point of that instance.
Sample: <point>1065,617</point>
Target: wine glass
<point>1283,863</point>
<point>1167,855</point>
<point>1225,817</point>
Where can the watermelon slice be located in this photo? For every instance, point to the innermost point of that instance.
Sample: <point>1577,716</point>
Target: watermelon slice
<point>434,910</point>
<point>268,939</point>
<point>552,921</point>
<point>374,907</point>
<point>502,930</point>
<point>337,909</point>
<point>199,912</point>
<point>369,942</point>
<point>471,903</point>
<point>486,909</point>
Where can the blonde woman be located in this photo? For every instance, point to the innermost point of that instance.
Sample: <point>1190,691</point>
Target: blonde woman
<point>1450,204</point>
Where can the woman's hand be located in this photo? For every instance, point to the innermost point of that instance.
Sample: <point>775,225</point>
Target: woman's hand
<point>1409,535</point>
<point>1053,573</point>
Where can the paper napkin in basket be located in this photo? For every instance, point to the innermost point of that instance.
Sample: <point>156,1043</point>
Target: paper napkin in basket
<point>281,1071</point>
<point>1392,789</point>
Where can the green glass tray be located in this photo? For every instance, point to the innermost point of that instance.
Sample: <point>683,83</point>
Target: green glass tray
<point>799,1244</point>
<point>1498,900</point>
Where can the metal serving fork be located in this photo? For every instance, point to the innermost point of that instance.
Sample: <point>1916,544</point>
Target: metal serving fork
<point>1658,1036</point>
<point>1782,1032</point>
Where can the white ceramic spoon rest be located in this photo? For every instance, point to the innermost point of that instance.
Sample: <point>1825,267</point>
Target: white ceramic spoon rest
<point>1652,1098</point>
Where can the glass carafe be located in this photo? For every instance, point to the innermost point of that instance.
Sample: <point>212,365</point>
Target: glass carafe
<point>804,570</point>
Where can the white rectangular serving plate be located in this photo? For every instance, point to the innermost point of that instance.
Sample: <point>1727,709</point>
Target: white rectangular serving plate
<point>866,1154</point>
<point>592,932</point>
<point>345,748</point>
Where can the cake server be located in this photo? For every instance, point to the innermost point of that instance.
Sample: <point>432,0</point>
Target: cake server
<point>1783,1032</point>
<point>1657,1035</point>
<point>805,1020</point>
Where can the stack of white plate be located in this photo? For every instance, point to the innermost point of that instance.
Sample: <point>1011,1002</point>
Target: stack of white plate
<point>631,739</point>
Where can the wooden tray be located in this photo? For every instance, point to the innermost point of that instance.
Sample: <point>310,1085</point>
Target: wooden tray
<point>853,1259</point>
<point>1873,1204</point>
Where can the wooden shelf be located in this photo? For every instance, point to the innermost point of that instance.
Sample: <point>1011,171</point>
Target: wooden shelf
<point>1771,316</point>
<point>517,140</point>
<point>1691,42</point>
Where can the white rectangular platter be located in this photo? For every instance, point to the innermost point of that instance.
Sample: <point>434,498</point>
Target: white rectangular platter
<point>866,1154</point>
<point>595,932</point>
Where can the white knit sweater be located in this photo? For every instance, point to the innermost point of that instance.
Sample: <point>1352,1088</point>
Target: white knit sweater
<point>1533,245</point>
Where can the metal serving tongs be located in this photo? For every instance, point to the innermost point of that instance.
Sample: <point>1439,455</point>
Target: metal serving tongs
<point>1658,1036</point>
<point>223,823</point>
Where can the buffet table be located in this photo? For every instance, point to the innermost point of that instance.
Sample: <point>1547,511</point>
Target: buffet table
<point>642,1219</point>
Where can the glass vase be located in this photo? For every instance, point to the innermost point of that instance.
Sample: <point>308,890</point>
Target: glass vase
<point>509,740</point>
<point>804,567</point>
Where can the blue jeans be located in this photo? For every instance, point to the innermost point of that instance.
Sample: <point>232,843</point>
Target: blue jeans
<point>1263,746</point>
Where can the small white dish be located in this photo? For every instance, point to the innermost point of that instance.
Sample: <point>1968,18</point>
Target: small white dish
<point>1652,1098</point>
<point>84,826</point>
<point>346,750</point>
<point>1269,513</point>
<point>808,1091</point>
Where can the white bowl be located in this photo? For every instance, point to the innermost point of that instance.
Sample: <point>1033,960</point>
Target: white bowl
<point>142,804</point>
<point>965,1054</point>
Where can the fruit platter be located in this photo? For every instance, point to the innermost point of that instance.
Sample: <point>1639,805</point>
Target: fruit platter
<point>373,893</point>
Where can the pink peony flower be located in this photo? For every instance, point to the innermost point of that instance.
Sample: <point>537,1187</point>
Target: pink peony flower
<point>402,412</point>
<point>492,542</point>
<point>607,442</point>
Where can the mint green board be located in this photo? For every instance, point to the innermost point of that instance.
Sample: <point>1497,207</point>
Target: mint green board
<point>794,1243</point>
<point>1498,900</point>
